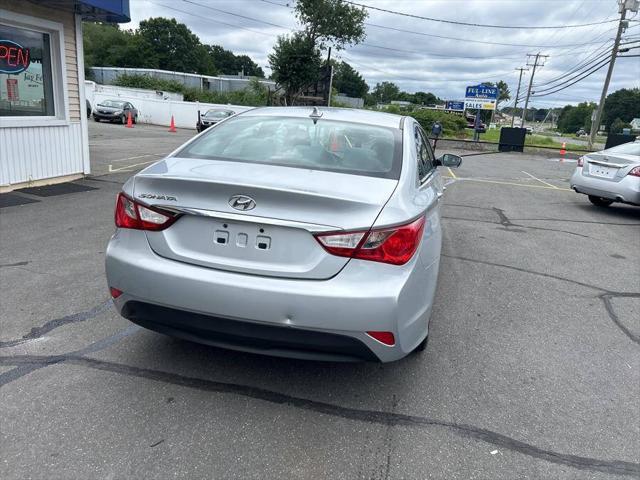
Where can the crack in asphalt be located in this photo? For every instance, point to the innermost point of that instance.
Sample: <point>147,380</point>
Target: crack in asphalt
<point>17,264</point>
<point>605,296</point>
<point>616,467</point>
<point>515,225</point>
<point>37,332</point>
<point>577,221</point>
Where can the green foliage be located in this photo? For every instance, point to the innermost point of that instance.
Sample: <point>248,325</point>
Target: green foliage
<point>331,22</point>
<point>175,46</point>
<point>228,63</point>
<point>148,82</point>
<point>617,125</point>
<point>348,81</point>
<point>256,95</point>
<point>623,104</point>
<point>504,93</point>
<point>295,63</point>
<point>574,118</point>
<point>160,43</point>
<point>452,124</point>
<point>385,92</point>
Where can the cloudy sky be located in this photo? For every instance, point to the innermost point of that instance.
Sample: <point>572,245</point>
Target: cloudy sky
<point>411,53</point>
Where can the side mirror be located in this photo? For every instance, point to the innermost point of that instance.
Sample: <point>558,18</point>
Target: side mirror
<point>450,160</point>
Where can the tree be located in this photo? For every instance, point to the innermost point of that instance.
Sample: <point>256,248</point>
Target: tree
<point>623,104</point>
<point>175,46</point>
<point>385,92</point>
<point>348,81</point>
<point>573,118</point>
<point>617,125</point>
<point>228,63</point>
<point>426,98</point>
<point>504,93</point>
<point>331,22</point>
<point>295,63</point>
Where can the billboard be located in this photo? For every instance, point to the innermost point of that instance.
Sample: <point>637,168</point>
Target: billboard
<point>454,105</point>
<point>480,97</point>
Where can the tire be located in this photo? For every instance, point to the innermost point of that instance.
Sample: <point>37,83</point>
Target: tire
<point>96,119</point>
<point>422,345</point>
<point>135,119</point>
<point>599,201</point>
<point>124,120</point>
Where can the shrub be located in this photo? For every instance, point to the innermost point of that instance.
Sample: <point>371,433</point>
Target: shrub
<point>149,83</point>
<point>452,124</point>
<point>617,125</point>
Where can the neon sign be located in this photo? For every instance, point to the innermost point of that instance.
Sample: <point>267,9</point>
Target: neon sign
<point>14,58</point>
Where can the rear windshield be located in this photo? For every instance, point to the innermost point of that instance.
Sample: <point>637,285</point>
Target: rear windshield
<point>112,103</point>
<point>217,114</point>
<point>297,142</point>
<point>631,148</point>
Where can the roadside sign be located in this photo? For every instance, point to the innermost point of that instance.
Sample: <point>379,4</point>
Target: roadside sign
<point>454,105</point>
<point>480,97</point>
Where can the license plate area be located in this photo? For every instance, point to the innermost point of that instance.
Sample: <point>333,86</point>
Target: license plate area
<point>602,171</point>
<point>242,236</point>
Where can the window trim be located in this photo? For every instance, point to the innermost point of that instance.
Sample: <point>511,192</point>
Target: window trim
<point>55,30</point>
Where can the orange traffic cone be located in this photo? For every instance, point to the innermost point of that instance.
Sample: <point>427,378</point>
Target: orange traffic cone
<point>563,151</point>
<point>172,128</point>
<point>129,121</point>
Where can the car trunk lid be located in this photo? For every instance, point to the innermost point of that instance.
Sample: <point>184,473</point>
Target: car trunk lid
<point>272,238</point>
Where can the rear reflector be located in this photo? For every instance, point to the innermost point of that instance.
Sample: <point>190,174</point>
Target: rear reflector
<point>394,245</point>
<point>115,293</point>
<point>383,337</point>
<point>131,214</point>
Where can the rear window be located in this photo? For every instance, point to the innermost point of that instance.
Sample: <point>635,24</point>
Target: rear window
<point>217,114</point>
<point>297,142</point>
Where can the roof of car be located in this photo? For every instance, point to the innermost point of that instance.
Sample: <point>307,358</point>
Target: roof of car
<point>368,117</point>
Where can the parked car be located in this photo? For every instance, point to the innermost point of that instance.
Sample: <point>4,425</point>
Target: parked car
<point>611,175</point>
<point>211,117</point>
<point>581,133</point>
<point>115,111</point>
<point>88,105</point>
<point>299,232</point>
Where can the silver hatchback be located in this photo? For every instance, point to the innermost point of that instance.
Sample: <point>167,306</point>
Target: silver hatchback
<point>298,232</point>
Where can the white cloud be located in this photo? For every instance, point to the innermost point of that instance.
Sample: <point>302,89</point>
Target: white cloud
<point>423,63</point>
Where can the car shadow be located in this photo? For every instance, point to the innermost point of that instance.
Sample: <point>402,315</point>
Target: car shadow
<point>618,211</point>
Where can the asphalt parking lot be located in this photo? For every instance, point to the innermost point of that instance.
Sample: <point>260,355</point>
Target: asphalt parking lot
<point>532,368</point>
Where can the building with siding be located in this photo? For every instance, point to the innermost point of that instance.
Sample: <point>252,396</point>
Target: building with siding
<point>43,124</point>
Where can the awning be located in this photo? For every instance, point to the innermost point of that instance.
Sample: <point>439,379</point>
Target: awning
<point>114,11</point>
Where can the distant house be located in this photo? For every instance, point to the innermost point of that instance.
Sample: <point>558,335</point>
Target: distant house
<point>635,124</point>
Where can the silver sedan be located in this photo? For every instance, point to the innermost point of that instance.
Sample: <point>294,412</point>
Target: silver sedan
<point>298,232</point>
<point>611,175</point>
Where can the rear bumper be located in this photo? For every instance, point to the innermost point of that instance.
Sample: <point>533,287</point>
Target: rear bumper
<point>626,190</point>
<point>364,296</point>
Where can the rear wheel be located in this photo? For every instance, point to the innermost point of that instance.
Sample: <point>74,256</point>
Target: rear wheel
<point>422,345</point>
<point>599,201</point>
<point>123,119</point>
<point>96,119</point>
<point>135,119</point>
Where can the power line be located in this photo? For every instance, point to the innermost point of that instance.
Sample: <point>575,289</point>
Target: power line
<point>584,64</point>
<point>454,22</point>
<point>576,81</point>
<point>595,65</point>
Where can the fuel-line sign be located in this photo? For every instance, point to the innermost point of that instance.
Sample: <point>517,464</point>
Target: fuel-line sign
<point>481,97</point>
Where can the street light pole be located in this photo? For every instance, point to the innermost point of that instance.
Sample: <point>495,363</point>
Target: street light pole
<point>515,105</point>
<point>595,123</point>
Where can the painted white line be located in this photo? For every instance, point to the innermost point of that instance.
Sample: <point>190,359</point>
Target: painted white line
<point>482,180</point>
<point>541,181</point>
<point>139,156</point>
<point>114,170</point>
<point>451,172</point>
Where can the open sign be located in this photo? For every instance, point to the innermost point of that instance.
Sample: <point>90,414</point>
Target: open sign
<point>14,58</point>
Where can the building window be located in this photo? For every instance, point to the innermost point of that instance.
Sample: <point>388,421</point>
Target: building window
<point>26,82</point>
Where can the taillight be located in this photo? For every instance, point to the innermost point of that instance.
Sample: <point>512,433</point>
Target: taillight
<point>580,161</point>
<point>635,171</point>
<point>131,214</point>
<point>395,245</point>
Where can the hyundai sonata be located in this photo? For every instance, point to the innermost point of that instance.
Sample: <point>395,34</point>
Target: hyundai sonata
<point>298,232</point>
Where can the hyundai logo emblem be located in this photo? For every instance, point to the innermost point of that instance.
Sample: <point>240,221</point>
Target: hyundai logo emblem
<point>242,202</point>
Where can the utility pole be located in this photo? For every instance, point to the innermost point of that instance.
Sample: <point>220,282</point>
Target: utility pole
<point>515,105</point>
<point>624,5</point>
<point>535,65</point>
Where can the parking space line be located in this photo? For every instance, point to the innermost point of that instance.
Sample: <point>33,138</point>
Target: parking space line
<point>120,169</point>
<point>516,184</point>
<point>139,156</point>
<point>541,181</point>
<point>453,175</point>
